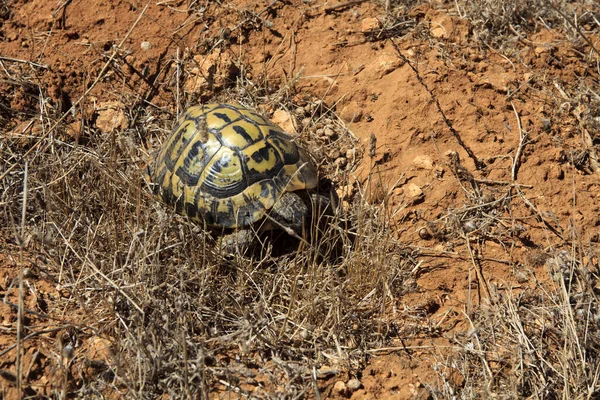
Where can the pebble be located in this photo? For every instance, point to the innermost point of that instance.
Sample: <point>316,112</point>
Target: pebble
<point>414,192</point>
<point>352,112</point>
<point>424,234</point>
<point>386,63</point>
<point>111,115</point>
<point>423,162</point>
<point>368,25</point>
<point>285,120</point>
<point>354,384</point>
<point>340,388</point>
<point>351,154</point>
<point>329,132</point>
<point>341,162</point>
<point>345,192</point>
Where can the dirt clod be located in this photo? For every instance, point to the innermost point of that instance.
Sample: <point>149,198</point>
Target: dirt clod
<point>111,116</point>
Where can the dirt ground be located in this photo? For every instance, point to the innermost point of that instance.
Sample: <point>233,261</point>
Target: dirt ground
<point>477,139</point>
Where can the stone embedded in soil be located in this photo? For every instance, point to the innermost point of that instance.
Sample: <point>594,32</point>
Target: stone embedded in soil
<point>99,349</point>
<point>285,120</point>
<point>352,112</point>
<point>555,172</point>
<point>340,388</point>
<point>327,372</point>
<point>414,193</point>
<point>423,162</point>
<point>111,116</point>
<point>353,384</point>
<point>74,129</point>
<point>25,129</point>
<point>496,77</point>
<point>369,25</point>
<point>442,26</point>
<point>386,63</point>
<point>214,71</point>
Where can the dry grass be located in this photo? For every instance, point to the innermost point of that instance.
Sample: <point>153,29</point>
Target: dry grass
<point>538,344</point>
<point>183,317</point>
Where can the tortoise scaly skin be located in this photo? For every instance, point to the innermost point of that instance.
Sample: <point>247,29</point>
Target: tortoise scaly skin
<point>228,167</point>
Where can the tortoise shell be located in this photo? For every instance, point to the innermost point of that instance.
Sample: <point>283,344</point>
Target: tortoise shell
<point>227,166</point>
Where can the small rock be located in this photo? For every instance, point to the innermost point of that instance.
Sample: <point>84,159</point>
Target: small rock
<point>327,372</point>
<point>74,130</point>
<point>368,25</point>
<point>414,192</point>
<point>556,172</point>
<point>352,112</point>
<point>353,384</point>
<point>423,162</point>
<point>521,277</point>
<point>334,153</point>
<point>146,45</point>
<point>345,192</point>
<point>328,132</point>
<point>351,155</point>
<point>216,70</point>
<point>22,132</point>
<point>387,63</point>
<point>340,388</point>
<point>424,234</point>
<point>99,349</point>
<point>442,27</point>
<point>497,78</point>
<point>285,120</point>
<point>341,162</point>
<point>28,273</point>
<point>111,115</point>
<point>454,377</point>
<point>68,351</point>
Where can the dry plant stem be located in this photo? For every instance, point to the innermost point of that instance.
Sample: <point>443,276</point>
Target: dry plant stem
<point>522,142</point>
<point>24,209</point>
<point>32,335</point>
<point>343,5</point>
<point>18,361</point>
<point>537,212</point>
<point>17,60</point>
<point>177,78</point>
<point>63,4</point>
<point>480,351</point>
<point>315,384</point>
<point>478,270</point>
<point>74,105</point>
<point>479,164</point>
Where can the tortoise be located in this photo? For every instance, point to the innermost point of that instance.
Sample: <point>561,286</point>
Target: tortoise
<point>228,167</point>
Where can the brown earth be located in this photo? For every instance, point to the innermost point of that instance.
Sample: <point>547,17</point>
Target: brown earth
<point>394,85</point>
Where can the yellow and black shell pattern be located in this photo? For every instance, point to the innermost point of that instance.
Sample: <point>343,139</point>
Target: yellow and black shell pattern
<point>227,166</point>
